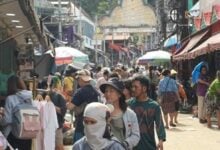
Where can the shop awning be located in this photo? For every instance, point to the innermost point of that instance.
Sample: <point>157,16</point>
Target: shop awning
<point>210,45</point>
<point>17,17</point>
<point>117,37</point>
<point>115,47</point>
<point>193,41</point>
<point>181,46</point>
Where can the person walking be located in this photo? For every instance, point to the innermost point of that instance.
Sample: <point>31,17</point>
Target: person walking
<point>182,95</point>
<point>213,100</point>
<point>16,89</point>
<point>124,124</point>
<point>97,133</point>
<point>60,106</point>
<point>83,96</point>
<point>69,83</point>
<point>127,90</point>
<point>202,87</point>
<point>100,81</point>
<point>169,96</point>
<point>149,115</point>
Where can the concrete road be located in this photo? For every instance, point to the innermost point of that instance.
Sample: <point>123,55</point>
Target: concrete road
<point>190,135</point>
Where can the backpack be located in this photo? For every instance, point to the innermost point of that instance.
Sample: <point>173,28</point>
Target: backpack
<point>3,141</point>
<point>25,120</point>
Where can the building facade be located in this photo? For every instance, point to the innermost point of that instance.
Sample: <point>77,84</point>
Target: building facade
<point>202,44</point>
<point>69,24</point>
<point>20,35</point>
<point>135,19</point>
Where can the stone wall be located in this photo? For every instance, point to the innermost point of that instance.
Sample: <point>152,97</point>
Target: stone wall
<point>130,13</point>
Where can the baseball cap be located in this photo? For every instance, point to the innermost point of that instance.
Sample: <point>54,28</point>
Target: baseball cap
<point>84,74</point>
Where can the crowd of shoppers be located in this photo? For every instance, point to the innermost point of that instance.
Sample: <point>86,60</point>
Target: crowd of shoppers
<point>115,108</point>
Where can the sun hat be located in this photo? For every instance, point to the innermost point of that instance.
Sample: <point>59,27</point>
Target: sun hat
<point>115,83</point>
<point>173,72</point>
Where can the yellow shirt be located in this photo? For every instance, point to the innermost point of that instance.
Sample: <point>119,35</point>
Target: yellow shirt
<point>68,84</point>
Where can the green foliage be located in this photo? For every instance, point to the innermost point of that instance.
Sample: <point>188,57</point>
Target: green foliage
<point>102,7</point>
<point>98,7</point>
<point>90,6</point>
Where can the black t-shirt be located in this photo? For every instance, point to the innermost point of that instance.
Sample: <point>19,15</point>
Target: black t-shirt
<point>59,101</point>
<point>86,94</point>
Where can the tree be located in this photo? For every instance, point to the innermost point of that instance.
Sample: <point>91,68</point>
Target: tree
<point>97,7</point>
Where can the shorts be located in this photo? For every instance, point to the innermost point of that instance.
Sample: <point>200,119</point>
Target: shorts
<point>59,137</point>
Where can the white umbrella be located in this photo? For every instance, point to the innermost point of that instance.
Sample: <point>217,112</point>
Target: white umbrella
<point>62,52</point>
<point>66,55</point>
<point>155,57</point>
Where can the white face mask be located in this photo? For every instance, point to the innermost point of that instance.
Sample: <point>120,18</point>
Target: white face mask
<point>94,132</point>
<point>94,135</point>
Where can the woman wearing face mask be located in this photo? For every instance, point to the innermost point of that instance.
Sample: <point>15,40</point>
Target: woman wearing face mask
<point>124,124</point>
<point>97,132</point>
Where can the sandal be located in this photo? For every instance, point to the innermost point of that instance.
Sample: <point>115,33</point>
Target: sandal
<point>172,125</point>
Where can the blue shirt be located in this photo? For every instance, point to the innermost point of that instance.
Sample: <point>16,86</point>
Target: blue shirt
<point>167,84</point>
<point>82,144</point>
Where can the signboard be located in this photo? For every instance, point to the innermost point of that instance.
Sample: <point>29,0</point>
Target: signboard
<point>130,30</point>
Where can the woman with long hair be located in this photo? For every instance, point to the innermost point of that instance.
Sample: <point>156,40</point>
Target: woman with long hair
<point>127,89</point>
<point>124,124</point>
<point>16,91</point>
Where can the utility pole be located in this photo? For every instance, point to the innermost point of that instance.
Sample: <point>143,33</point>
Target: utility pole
<point>112,44</point>
<point>80,24</point>
<point>96,46</point>
<point>60,22</point>
<point>104,49</point>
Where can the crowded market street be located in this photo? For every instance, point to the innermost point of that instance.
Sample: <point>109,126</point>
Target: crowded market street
<point>109,74</point>
<point>191,135</point>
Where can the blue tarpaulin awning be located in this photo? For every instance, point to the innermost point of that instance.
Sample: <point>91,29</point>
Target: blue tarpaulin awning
<point>170,41</point>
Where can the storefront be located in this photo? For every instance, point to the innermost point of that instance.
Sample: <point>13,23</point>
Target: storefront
<point>203,45</point>
<point>20,33</point>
